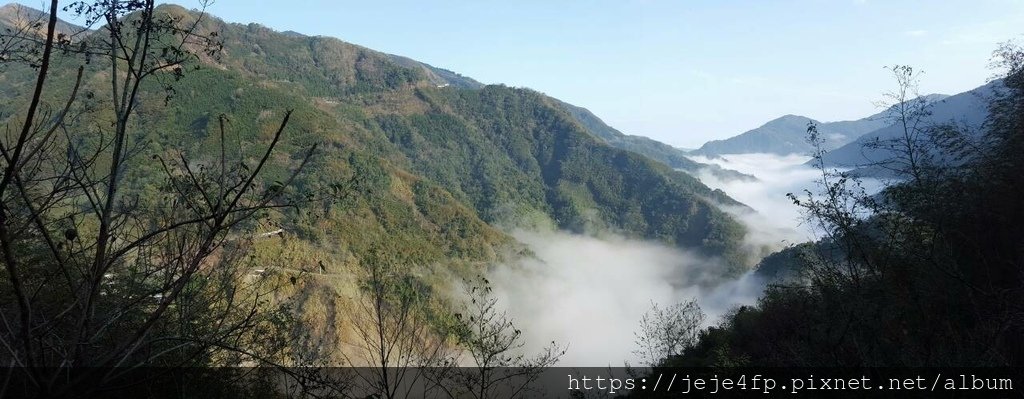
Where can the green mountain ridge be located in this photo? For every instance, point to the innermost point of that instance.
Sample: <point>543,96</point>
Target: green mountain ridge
<point>656,150</point>
<point>438,166</point>
<point>442,78</point>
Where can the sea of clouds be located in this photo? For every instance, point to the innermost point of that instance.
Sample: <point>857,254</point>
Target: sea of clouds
<point>589,293</point>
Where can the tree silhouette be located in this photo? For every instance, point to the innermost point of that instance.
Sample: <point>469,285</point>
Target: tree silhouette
<point>98,274</point>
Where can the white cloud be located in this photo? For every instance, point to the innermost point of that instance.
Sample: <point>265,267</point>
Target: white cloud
<point>776,221</point>
<point>590,293</point>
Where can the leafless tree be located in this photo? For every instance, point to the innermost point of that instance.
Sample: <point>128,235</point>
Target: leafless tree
<point>493,347</point>
<point>857,222</point>
<point>667,332</point>
<point>394,341</point>
<point>911,152</point>
<point>95,274</point>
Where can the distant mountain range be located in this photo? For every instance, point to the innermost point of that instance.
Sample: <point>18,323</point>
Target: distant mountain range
<point>968,109</point>
<point>788,134</point>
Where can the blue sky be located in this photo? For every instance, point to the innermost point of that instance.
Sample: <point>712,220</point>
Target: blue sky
<point>682,72</point>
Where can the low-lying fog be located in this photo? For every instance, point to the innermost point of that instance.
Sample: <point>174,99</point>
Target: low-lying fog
<point>589,293</point>
<point>776,217</point>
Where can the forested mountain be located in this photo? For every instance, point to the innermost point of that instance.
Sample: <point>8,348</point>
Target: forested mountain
<point>270,198</point>
<point>498,155</point>
<point>653,149</point>
<point>788,134</point>
<point>413,168</point>
<point>508,154</point>
<point>179,192</point>
<point>439,76</point>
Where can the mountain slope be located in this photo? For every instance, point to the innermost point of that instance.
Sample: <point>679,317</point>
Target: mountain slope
<point>967,109</point>
<point>438,167</point>
<point>438,76</point>
<point>787,135</point>
<point>483,145</point>
<point>18,17</point>
<point>650,148</point>
<point>560,169</point>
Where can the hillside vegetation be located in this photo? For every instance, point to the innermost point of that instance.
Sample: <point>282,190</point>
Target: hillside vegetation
<point>373,164</point>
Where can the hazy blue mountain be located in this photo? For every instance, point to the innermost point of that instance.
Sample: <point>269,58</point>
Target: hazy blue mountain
<point>788,134</point>
<point>966,109</point>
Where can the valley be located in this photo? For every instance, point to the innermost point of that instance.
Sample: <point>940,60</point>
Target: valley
<point>181,191</point>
